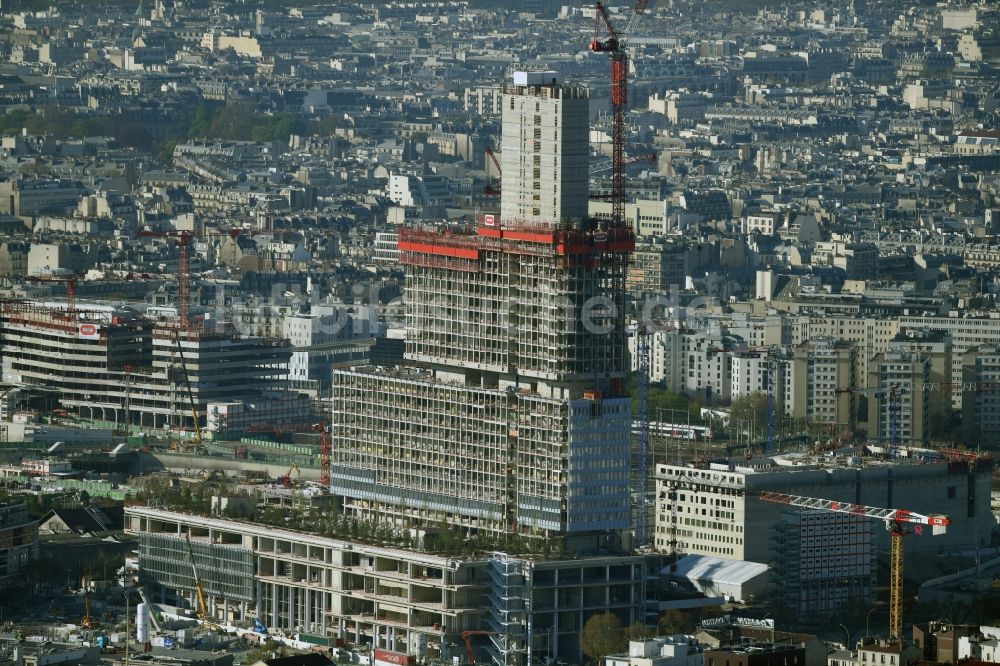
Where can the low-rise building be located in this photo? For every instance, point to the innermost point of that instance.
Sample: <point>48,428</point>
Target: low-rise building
<point>757,655</point>
<point>888,653</point>
<point>27,197</point>
<point>390,598</point>
<point>716,510</point>
<point>18,544</point>
<point>675,650</point>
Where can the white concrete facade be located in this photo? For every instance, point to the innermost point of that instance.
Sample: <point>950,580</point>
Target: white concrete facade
<point>715,511</point>
<point>545,153</point>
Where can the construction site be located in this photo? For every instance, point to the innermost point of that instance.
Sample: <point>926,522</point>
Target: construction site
<point>510,416</point>
<point>820,515</point>
<point>425,605</point>
<point>111,365</point>
<point>509,422</point>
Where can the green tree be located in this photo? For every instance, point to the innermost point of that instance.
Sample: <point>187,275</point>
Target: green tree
<point>133,135</point>
<point>749,409</point>
<point>665,404</point>
<point>12,121</point>
<point>603,635</point>
<point>639,632</point>
<point>674,621</point>
<point>261,133</point>
<point>202,119</point>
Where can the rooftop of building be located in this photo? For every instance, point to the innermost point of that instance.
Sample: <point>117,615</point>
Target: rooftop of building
<point>310,659</point>
<point>886,647</point>
<point>718,569</point>
<point>89,519</point>
<point>837,458</point>
<point>756,648</point>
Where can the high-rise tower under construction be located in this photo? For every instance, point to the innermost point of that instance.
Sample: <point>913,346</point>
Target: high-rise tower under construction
<point>510,415</point>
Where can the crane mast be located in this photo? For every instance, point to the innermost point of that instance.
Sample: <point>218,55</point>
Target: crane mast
<point>894,395</point>
<point>773,367</point>
<point>325,451</point>
<point>899,523</point>
<point>642,353</point>
<point>772,409</point>
<point>614,44</point>
<point>183,274</point>
<point>183,281</point>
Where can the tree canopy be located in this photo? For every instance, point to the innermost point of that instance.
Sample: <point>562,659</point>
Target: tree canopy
<point>603,635</point>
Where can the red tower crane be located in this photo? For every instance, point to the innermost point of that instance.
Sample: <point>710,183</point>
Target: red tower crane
<point>71,294</point>
<point>615,44</point>
<point>899,522</point>
<point>183,274</point>
<point>325,449</point>
<point>70,281</point>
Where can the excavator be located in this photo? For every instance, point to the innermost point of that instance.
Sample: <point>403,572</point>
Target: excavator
<point>286,480</point>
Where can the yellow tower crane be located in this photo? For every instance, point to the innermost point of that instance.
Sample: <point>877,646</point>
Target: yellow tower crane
<point>899,523</point>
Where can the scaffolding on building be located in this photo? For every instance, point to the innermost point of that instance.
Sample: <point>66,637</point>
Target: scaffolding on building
<point>508,618</point>
<point>501,300</point>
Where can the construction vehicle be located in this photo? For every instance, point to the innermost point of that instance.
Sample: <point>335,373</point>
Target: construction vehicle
<point>286,478</point>
<point>199,590</point>
<point>899,522</point>
<point>89,621</point>
<point>467,637</point>
<point>152,616</point>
